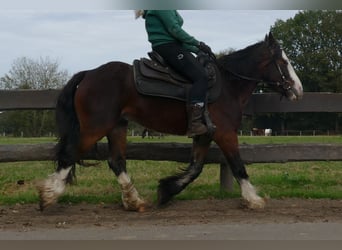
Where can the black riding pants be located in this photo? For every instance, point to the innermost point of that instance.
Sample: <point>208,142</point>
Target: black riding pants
<point>186,64</point>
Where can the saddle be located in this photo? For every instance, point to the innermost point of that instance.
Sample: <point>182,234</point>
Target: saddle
<point>153,77</point>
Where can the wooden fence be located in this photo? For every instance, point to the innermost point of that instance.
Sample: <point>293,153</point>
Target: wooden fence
<point>259,103</point>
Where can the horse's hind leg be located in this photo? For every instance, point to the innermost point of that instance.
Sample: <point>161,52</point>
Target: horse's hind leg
<point>117,162</point>
<point>68,153</point>
<point>173,185</point>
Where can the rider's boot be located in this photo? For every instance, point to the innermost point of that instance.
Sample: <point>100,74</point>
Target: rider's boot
<point>195,120</point>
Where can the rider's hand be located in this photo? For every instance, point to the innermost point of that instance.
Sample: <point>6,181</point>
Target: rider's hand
<point>205,48</point>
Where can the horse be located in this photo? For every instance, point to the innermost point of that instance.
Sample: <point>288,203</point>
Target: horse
<point>258,131</point>
<point>268,132</point>
<point>98,103</point>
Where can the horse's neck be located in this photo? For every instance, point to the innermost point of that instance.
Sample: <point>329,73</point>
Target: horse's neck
<point>242,89</point>
<point>248,68</point>
<point>241,73</point>
<point>245,63</point>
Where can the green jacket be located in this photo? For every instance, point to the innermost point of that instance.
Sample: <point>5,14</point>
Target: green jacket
<point>165,26</point>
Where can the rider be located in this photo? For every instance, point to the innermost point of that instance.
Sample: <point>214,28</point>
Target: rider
<point>168,39</point>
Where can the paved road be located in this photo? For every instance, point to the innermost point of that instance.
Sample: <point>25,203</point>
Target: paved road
<point>294,231</point>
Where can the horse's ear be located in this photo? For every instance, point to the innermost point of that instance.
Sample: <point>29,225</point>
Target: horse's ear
<point>270,35</point>
<point>270,40</point>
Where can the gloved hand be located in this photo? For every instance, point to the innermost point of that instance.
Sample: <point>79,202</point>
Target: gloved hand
<point>205,48</point>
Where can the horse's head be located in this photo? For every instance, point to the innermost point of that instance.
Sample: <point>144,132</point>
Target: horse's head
<point>279,72</point>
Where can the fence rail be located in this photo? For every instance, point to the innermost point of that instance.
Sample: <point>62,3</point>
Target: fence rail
<point>258,103</point>
<point>180,152</point>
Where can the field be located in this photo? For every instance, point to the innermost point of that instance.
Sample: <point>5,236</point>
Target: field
<point>98,184</point>
<point>297,192</point>
<point>183,139</point>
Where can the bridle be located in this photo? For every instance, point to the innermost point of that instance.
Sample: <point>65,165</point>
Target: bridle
<point>284,83</point>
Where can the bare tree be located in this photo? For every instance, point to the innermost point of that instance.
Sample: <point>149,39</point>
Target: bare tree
<point>38,74</point>
<point>27,73</point>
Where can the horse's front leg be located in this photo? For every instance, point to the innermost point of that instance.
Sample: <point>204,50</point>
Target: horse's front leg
<point>229,146</point>
<point>172,185</point>
<point>117,162</point>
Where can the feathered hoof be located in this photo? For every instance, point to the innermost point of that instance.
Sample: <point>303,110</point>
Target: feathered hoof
<point>256,204</point>
<point>163,197</point>
<point>138,205</point>
<point>47,196</point>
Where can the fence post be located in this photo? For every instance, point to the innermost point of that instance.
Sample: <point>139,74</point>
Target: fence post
<point>226,177</point>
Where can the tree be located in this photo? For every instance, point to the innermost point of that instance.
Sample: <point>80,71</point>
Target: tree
<point>31,74</point>
<point>313,42</point>
<point>27,73</point>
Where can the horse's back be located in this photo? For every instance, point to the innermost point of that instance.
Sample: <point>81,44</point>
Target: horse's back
<point>110,70</point>
<point>102,91</point>
<point>107,78</point>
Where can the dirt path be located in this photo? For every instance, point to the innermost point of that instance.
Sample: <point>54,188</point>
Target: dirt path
<point>230,211</point>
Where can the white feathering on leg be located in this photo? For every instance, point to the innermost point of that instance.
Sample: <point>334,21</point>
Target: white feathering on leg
<point>57,180</point>
<point>53,187</point>
<point>249,194</point>
<point>130,196</point>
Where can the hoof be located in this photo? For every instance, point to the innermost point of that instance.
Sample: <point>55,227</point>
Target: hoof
<point>141,208</point>
<point>256,204</point>
<point>168,188</point>
<point>163,197</point>
<point>51,188</point>
<point>138,204</point>
<point>43,204</point>
<point>47,197</point>
<point>254,201</point>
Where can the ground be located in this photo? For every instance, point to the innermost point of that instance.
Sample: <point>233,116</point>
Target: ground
<point>230,211</point>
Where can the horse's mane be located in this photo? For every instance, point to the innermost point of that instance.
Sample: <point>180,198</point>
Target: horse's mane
<point>240,59</point>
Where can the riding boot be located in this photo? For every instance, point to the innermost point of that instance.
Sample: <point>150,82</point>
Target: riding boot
<point>195,120</point>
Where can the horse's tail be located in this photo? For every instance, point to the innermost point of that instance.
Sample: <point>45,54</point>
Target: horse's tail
<point>68,127</point>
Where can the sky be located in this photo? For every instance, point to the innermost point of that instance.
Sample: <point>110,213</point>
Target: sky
<point>86,39</point>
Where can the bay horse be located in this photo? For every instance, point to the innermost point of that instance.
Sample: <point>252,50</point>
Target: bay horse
<point>99,102</point>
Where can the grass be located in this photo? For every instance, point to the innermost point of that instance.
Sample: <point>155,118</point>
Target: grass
<point>251,139</point>
<point>26,140</point>
<point>289,139</point>
<point>98,184</point>
<point>184,139</point>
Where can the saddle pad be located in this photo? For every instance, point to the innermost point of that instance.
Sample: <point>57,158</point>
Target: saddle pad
<point>159,88</point>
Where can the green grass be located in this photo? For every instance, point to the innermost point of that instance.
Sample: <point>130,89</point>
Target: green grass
<point>98,184</point>
<point>184,139</point>
<point>250,139</point>
<point>26,140</point>
<point>289,139</point>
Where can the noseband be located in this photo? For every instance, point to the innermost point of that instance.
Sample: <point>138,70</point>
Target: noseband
<point>285,84</point>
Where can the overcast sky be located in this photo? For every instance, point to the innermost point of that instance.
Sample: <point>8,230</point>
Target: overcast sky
<point>81,40</point>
